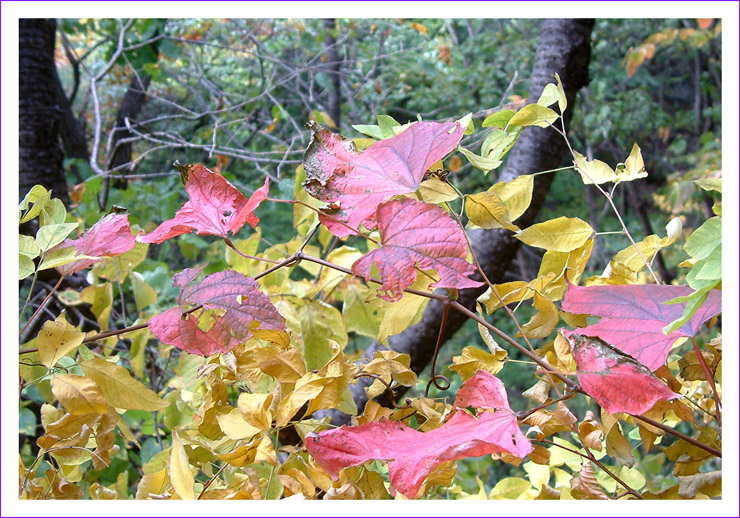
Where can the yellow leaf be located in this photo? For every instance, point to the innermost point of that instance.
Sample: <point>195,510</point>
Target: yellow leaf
<point>544,321</point>
<point>435,190</point>
<point>563,352</point>
<point>516,194</point>
<point>78,394</point>
<point>144,295</point>
<point>389,365</point>
<point>561,234</point>
<point>100,297</point>
<point>472,359</point>
<point>633,168</point>
<point>631,258</point>
<point>418,27</point>
<point>344,256</point>
<point>152,484</point>
<point>234,426</point>
<point>255,409</point>
<point>322,389</point>
<point>119,388</point>
<point>242,456</point>
<point>593,171</point>
<point>562,264</point>
<point>181,476</point>
<point>487,210</point>
<point>401,314</point>
<point>562,100</point>
<point>534,115</point>
<point>539,392</point>
<point>56,339</point>
<point>287,366</point>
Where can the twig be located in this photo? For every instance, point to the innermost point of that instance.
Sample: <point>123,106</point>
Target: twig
<point>41,306</point>
<point>710,378</point>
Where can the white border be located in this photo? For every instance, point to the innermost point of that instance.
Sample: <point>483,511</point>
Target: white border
<point>12,11</point>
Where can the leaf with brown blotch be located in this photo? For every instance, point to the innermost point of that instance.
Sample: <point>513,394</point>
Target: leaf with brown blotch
<point>109,237</point>
<point>358,182</point>
<point>245,309</point>
<point>215,207</point>
<point>634,317</point>
<point>412,455</point>
<point>415,235</point>
<point>617,382</point>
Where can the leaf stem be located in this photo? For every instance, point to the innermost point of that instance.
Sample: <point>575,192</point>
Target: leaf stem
<point>710,378</point>
<point>211,480</point>
<point>43,303</point>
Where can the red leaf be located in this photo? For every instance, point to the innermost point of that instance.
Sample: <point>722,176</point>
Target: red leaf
<point>359,182</point>
<point>412,454</point>
<point>244,307</point>
<point>634,317</point>
<point>215,207</point>
<point>617,382</point>
<point>109,237</point>
<point>414,233</point>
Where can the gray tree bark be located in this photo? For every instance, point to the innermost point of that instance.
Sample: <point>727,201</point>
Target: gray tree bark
<point>563,48</point>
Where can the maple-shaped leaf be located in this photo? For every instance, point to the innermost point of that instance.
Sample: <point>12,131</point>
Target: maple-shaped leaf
<point>634,317</point>
<point>109,237</point>
<point>358,182</point>
<point>413,454</point>
<point>243,308</point>
<point>416,234</point>
<point>616,381</point>
<point>215,207</point>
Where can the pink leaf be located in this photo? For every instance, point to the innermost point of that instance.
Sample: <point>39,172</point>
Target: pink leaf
<point>412,454</point>
<point>244,308</point>
<point>215,207</point>
<point>109,237</point>
<point>634,317</point>
<point>414,233</point>
<point>359,182</point>
<point>617,382</point>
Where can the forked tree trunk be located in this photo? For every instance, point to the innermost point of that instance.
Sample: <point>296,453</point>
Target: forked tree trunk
<point>563,48</point>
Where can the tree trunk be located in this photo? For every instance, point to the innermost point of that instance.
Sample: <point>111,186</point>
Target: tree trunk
<point>39,112</point>
<point>563,48</point>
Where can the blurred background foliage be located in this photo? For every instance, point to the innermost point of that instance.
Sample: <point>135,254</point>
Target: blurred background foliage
<point>235,95</point>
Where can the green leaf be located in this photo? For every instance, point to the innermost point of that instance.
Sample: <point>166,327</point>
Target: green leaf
<point>710,184</point>
<point>369,130</point>
<point>498,143</point>
<point>711,267</point>
<point>534,115</point>
<point>499,119</point>
<point>50,236</point>
<point>695,300</point>
<point>119,388</point>
<point>60,257</point>
<point>705,239</point>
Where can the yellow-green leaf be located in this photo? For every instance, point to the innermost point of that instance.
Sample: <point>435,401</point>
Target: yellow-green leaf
<point>401,314</point>
<point>100,297</point>
<point>499,119</point>
<point>144,295</point>
<point>56,339</point>
<point>25,267</point>
<point>534,115</point>
<point>487,210</point>
<point>61,256</point>
<point>483,163</point>
<point>37,197</point>
<point>561,234</point>
<point>509,489</point>
<point>27,246</point>
<point>50,236</point>
<point>550,95</point>
<point>181,476</point>
<point>78,394</point>
<point>119,388</point>
<point>593,171</point>
<point>562,100</point>
<point>320,322</point>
